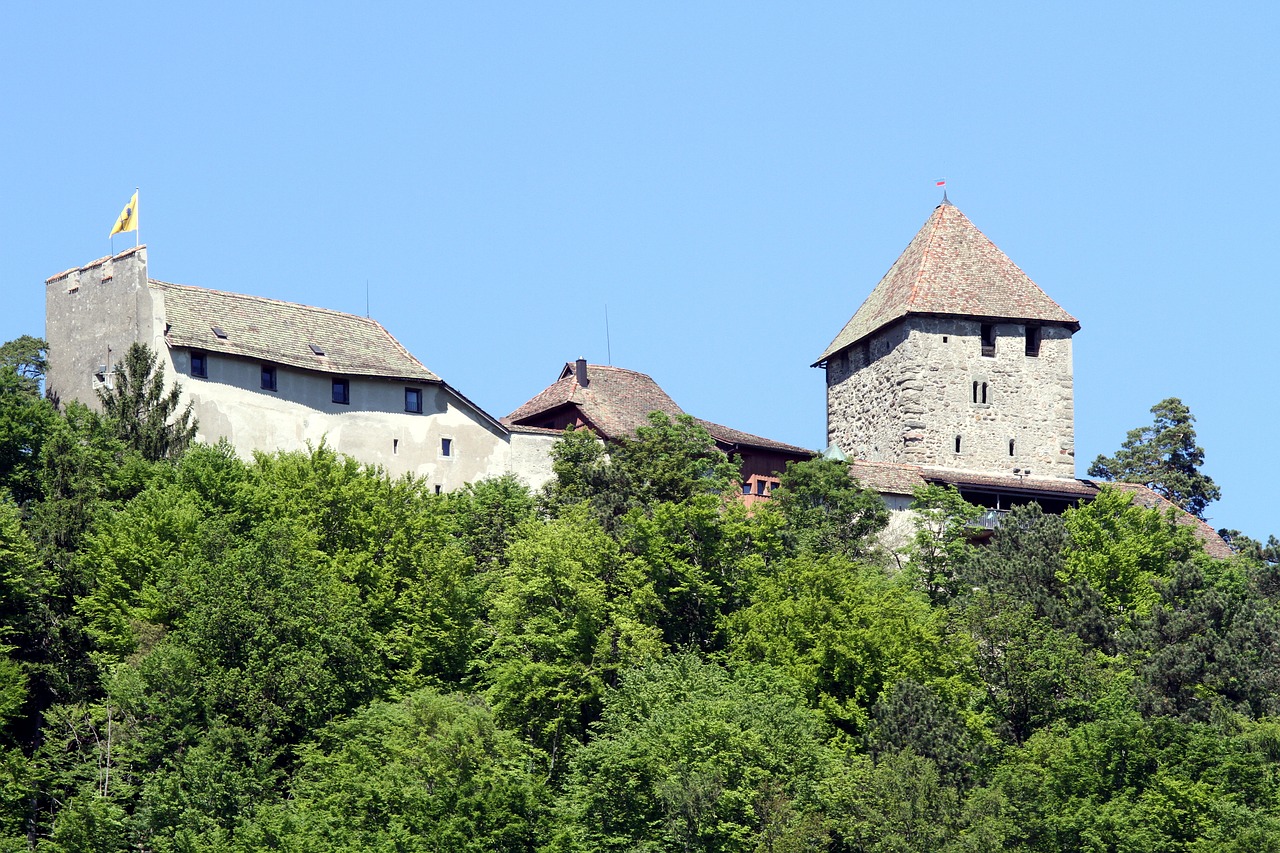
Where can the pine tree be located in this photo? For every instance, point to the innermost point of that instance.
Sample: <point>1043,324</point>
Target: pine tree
<point>144,415</point>
<point>1165,458</point>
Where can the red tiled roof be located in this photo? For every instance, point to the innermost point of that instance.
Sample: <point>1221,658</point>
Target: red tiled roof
<point>617,401</point>
<point>1144,496</point>
<point>950,268</point>
<point>729,435</point>
<point>1047,486</point>
<point>283,332</point>
<point>890,478</point>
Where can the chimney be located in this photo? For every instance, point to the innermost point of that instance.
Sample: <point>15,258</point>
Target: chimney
<point>580,368</point>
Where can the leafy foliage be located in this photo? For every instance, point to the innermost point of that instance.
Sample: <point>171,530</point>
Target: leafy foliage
<point>1164,457</point>
<point>293,652</point>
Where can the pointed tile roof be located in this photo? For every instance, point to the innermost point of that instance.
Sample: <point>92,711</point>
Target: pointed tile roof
<point>950,268</point>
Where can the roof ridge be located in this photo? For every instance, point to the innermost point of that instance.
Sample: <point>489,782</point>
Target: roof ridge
<point>269,300</point>
<point>924,254</point>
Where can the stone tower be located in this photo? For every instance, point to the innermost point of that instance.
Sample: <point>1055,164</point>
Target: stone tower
<point>957,360</point>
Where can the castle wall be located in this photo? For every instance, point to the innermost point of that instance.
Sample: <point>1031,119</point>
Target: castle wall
<point>109,304</point>
<point>92,315</point>
<point>907,395</point>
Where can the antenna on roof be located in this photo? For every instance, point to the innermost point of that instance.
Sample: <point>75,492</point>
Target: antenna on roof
<point>608,345</point>
<point>366,298</point>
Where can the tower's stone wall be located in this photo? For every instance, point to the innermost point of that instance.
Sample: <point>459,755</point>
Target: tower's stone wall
<point>906,393</point>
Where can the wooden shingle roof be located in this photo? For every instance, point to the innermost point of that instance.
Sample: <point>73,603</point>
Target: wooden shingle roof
<point>950,268</point>
<point>284,333</point>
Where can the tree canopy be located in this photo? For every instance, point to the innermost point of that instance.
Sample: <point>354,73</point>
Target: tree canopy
<point>1165,457</point>
<point>296,652</point>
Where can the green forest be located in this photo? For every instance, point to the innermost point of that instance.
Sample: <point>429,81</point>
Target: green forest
<point>298,653</point>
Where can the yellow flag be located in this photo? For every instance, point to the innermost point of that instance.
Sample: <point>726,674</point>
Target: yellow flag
<point>128,220</point>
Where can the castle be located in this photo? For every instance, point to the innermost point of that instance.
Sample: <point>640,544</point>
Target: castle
<point>956,370</point>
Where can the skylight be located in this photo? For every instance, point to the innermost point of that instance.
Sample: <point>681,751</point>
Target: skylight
<point>315,349</point>
<point>218,331</point>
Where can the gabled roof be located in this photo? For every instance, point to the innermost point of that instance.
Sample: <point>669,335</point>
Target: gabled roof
<point>284,333</point>
<point>950,268</point>
<point>616,401</point>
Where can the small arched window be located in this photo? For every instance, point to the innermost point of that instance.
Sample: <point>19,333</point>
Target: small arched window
<point>957,444</point>
<point>984,392</point>
<point>1011,447</point>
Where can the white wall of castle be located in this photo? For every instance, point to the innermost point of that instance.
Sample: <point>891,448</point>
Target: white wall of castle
<point>907,392</point>
<point>109,305</point>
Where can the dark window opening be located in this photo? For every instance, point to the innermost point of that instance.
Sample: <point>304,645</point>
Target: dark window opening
<point>342,391</point>
<point>395,447</point>
<point>989,339</point>
<point>437,488</point>
<point>975,392</point>
<point>268,377</point>
<point>1033,341</point>
<point>199,365</point>
<point>957,444</point>
<point>746,488</point>
<point>413,400</point>
<point>984,392</point>
<point>760,487</point>
<point>944,339</point>
<point>1011,447</point>
<point>446,447</point>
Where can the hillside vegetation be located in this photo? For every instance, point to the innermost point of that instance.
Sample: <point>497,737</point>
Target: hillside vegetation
<point>297,653</point>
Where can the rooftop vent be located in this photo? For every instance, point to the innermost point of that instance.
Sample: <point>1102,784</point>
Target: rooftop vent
<point>218,332</point>
<point>315,349</point>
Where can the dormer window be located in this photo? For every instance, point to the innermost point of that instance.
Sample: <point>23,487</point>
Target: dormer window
<point>989,340</point>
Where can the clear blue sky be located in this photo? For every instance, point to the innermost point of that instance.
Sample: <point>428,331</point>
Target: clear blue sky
<point>731,179</point>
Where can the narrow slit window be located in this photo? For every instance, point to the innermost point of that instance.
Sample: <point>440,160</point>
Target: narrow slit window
<point>989,340</point>
<point>975,392</point>
<point>342,392</point>
<point>984,392</point>
<point>957,444</point>
<point>1033,341</point>
<point>268,377</point>
<point>395,447</point>
<point>1011,447</point>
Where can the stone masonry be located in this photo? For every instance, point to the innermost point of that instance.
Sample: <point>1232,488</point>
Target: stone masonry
<point>908,392</point>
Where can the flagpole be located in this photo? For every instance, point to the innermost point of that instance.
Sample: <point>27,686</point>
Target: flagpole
<point>137,232</point>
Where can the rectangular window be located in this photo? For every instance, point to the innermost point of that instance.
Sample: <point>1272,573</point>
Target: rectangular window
<point>268,377</point>
<point>342,392</point>
<point>413,400</point>
<point>1033,341</point>
<point>760,487</point>
<point>746,488</point>
<point>989,340</point>
<point>199,367</point>
<point>446,447</point>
